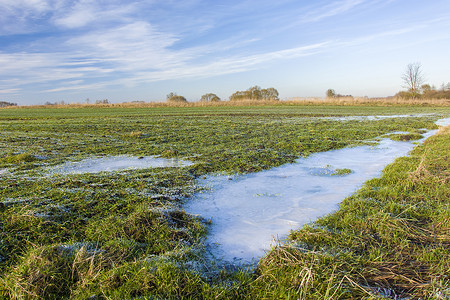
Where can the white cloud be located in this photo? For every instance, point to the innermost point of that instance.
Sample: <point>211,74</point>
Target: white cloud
<point>85,12</point>
<point>9,91</point>
<point>113,43</point>
<point>22,16</point>
<point>330,10</point>
<point>224,66</point>
<point>16,15</point>
<point>21,69</point>
<point>136,51</point>
<point>80,16</point>
<point>29,6</point>
<point>77,87</point>
<point>130,47</point>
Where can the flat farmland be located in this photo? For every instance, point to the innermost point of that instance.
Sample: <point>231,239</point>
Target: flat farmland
<point>125,233</point>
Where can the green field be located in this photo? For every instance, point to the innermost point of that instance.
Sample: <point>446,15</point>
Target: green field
<point>124,235</point>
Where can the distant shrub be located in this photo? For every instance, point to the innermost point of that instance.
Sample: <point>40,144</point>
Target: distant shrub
<point>405,95</point>
<point>437,94</point>
<point>431,94</point>
<point>104,101</point>
<point>173,97</point>
<point>210,97</point>
<point>426,92</point>
<point>6,104</point>
<point>331,93</point>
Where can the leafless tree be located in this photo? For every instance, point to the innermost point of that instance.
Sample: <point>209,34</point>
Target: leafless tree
<point>413,79</point>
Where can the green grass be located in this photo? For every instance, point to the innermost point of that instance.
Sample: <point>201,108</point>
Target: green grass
<point>405,137</point>
<point>391,238</point>
<point>124,235</point>
<point>342,172</point>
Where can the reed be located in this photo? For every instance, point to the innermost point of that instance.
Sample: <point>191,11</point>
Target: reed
<point>341,101</point>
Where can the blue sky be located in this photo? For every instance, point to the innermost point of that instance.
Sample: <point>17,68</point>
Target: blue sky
<point>62,50</point>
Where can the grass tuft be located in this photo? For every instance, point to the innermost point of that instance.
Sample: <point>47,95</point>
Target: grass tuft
<point>391,239</point>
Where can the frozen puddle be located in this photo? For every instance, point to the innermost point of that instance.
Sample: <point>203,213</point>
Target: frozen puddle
<point>249,212</point>
<point>373,118</point>
<point>443,122</point>
<point>116,163</point>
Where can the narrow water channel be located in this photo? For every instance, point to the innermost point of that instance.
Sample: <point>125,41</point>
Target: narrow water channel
<point>249,212</point>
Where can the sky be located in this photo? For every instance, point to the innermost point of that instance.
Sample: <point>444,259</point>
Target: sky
<point>75,50</point>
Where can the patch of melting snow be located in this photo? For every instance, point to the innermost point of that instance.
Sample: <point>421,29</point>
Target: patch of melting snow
<point>373,118</point>
<point>89,247</point>
<point>116,163</point>
<point>251,212</point>
<point>443,122</point>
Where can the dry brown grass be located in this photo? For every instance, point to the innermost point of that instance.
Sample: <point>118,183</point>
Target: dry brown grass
<point>341,101</point>
<point>49,271</point>
<point>389,101</point>
<point>422,171</point>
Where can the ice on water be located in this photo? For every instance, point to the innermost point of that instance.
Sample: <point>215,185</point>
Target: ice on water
<point>116,163</point>
<point>250,212</point>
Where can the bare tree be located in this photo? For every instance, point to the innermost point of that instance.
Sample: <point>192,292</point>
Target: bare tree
<point>413,79</point>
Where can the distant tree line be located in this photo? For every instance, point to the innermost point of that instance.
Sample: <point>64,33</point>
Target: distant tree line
<point>6,104</point>
<point>427,91</point>
<point>253,93</point>
<point>332,94</point>
<point>414,82</point>
<point>87,101</point>
<point>104,101</point>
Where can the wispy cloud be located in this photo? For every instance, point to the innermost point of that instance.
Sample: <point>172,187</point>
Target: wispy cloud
<point>27,7</point>
<point>123,44</point>
<point>78,87</point>
<point>9,91</point>
<point>86,12</point>
<point>330,10</point>
<point>139,65</point>
<point>187,69</point>
<point>93,44</point>
<point>17,16</point>
<point>40,67</point>
<point>130,47</point>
